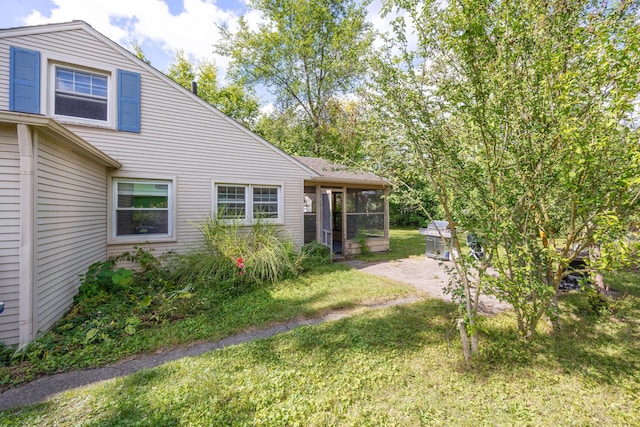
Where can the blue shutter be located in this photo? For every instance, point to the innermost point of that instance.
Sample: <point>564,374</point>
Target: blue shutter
<point>24,80</point>
<point>128,101</point>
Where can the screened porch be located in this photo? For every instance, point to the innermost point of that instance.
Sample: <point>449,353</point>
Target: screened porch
<point>344,209</point>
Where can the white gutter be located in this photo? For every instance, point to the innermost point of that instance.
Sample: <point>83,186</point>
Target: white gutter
<point>27,196</point>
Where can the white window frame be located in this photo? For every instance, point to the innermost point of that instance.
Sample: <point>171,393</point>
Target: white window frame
<point>249,211</point>
<point>246,201</point>
<point>253,202</point>
<point>170,236</point>
<point>53,64</point>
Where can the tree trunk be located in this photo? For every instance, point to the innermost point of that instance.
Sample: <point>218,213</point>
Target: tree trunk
<point>317,140</point>
<point>596,275</point>
<point>464,338</point>
<point>555,319</point>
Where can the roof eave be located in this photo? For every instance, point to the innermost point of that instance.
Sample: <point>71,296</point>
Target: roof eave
<point>59,132</point>
<point>330,180</point>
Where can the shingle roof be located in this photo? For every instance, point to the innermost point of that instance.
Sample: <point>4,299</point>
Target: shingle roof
<point>334,172</point>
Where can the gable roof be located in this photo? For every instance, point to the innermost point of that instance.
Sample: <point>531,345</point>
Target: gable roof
<point>82,25</point>
<point>337,173</point>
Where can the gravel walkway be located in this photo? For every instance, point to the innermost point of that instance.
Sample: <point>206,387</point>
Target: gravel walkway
<point>427,275</point>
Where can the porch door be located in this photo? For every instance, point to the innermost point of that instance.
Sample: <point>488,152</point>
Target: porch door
<point>327,226</point>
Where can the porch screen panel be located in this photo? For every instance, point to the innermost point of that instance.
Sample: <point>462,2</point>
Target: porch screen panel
<point>365,213</point>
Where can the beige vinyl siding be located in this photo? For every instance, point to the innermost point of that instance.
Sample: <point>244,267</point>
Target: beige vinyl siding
<point>180,137</point>
<point>9,233</point>
<point>4,75</point>
<point>71,226</point>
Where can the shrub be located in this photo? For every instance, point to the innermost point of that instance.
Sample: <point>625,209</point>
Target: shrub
<point>315,255</point>
<point>101,277</point>
<point>202,268</point>
<point>107,292</point>
<point>105,277</point>
<point>361,239</point>
<point>270,258</point>
<point>6,353</point>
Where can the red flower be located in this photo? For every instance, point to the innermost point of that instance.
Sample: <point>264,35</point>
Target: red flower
<point>240,264</point>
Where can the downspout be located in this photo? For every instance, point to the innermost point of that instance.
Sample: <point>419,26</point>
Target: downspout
<point>25,319</point>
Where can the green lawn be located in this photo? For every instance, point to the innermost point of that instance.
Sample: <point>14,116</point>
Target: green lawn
<point>206,316</point>
<point>399,366</point>
<point>404,243</point>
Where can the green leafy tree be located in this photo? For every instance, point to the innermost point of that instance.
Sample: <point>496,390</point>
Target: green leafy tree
<point>234,99</point>
<point>287,130</point>
<point>307,52</point>
<point>344,131</point>
<point>136,49</point>
<point>519,116</point>
<point>183,71</point>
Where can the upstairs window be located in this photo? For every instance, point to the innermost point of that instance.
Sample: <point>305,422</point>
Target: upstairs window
<point>81,94</point>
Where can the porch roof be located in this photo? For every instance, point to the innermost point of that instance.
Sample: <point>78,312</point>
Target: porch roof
<point>336,173</point>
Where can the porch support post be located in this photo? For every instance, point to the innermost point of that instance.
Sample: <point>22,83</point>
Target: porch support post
<point>386,213</point>
<point>345,250</point>
<point>318,214</point>
<point>27,226</point>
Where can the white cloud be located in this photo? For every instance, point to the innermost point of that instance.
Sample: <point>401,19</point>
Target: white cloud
<point>149,22</point>
<point>267,109</point>
<point>254,18</point>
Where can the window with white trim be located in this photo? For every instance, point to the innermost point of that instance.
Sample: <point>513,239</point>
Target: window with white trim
<point>265,202</point>
<point>82,94</point>
<point>143,207</point>
<point>248,202</point>
<point>232,201</point>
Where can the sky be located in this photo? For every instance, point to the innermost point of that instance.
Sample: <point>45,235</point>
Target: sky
<point>160,27</point>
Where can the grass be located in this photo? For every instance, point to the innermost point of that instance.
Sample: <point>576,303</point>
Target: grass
<point>404,243</point>
<point>209,316</point>
<point>397,366</point>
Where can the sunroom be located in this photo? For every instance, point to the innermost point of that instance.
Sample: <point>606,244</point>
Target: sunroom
<point>345,210</point>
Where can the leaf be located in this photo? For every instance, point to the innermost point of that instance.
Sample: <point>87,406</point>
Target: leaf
<point>91,334</point>
<point>146,301</point>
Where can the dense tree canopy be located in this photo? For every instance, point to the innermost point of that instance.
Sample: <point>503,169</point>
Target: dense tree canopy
<point>234,99</point>
<point>308,53</point>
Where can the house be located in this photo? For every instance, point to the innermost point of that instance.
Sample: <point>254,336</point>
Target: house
<point>100,151</point>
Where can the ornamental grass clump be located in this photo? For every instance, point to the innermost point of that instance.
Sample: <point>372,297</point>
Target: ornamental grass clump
<point>240,256</point>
